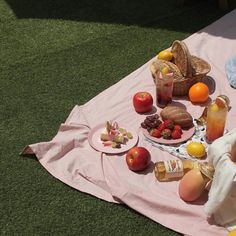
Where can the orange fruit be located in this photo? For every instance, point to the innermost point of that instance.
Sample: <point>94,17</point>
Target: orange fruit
<point>198,93</point>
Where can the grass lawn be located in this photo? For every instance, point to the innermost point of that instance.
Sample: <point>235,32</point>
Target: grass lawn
<point>55,54</point>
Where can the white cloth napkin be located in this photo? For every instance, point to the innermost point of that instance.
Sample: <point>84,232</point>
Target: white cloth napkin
<point>221,203</point>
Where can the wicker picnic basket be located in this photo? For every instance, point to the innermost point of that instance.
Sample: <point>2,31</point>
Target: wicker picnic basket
<point>187,69</point>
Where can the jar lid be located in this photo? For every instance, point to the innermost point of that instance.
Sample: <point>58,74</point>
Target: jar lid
<point>207,169</point>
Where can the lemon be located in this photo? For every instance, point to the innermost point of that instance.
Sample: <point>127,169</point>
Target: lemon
<point>215,107</point>
<point>232,233</point>
<point>165,70</point>
<point>165,55</point>
<point>196,149</point>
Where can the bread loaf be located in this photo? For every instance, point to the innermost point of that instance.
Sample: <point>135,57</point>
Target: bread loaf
<point>178,115</point>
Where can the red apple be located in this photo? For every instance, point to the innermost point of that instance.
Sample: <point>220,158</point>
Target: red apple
<point>142,102</point>
<point>138,158</point>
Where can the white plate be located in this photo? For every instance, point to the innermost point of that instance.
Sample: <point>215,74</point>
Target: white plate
<point>96,143</point>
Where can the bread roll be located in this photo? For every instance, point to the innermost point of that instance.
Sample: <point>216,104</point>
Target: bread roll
<point>178,115</point>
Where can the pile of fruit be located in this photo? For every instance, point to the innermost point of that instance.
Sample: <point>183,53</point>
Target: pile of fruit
<point>114,136</point>
<point>158,129</point>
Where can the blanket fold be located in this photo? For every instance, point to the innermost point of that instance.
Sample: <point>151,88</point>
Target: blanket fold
<point>69,158</point>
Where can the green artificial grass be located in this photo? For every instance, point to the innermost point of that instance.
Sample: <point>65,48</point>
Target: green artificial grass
<point>54,55</point>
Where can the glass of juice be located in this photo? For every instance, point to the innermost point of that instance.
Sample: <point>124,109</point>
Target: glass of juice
<point>164,89</point>
<point>216,119</point>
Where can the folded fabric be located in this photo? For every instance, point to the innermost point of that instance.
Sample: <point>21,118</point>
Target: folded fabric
<point>230,68</point>
<point>221,203</point>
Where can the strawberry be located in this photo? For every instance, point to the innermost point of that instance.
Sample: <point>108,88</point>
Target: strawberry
<point>169,124</point>
<point>166,133</point>
<point>155,133</point>
<point>178,127</point>
<point>161,127</point>
<point>176,134</point>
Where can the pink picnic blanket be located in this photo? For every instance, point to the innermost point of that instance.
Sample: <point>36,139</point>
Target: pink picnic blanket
<point>70,158</point>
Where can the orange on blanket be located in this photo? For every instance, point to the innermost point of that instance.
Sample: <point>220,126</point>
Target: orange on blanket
<point>199,92</point>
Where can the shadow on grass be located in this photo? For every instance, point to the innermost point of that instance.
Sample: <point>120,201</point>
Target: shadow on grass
<point>30,156</point>
<point>149,13</point>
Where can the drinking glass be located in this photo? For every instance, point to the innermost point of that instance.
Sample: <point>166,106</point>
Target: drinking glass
<point>164,90</point>
<point>216,119</point>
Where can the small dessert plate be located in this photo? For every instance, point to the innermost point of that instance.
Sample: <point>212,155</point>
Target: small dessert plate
<point>96,142</point>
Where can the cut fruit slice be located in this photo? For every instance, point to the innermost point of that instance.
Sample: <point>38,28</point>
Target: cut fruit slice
<point>107,143</point>
<point>119,139</point>
<point>115,145</point>
<point>222,101</point>
<point>129,135</point>
<point>105,137</point>
<point>122,131</point>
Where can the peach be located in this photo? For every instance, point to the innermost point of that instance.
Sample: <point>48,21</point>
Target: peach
<point>192,185</point>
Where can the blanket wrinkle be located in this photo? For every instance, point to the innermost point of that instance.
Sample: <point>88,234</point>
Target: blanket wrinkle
<point>77,126</point>
<point>79,173</point>
<point>58,151</point>
<point>102,168</point>
<point>102,183</point>
<point>115,187</point>
<point>39,149</point>
<point>59,147</point>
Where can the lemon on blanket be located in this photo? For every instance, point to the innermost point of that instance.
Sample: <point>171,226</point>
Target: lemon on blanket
<point>232,233</point>
<point>165,55</point>
<point>196,149</point>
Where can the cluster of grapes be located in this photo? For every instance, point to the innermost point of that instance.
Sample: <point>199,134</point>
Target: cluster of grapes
<point>151,122</point>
